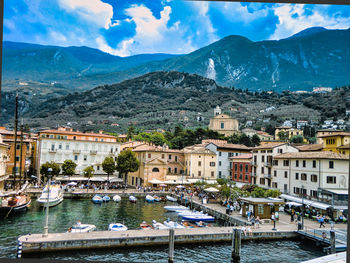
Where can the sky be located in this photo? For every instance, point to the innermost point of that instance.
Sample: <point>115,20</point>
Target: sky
<point>130,27</point>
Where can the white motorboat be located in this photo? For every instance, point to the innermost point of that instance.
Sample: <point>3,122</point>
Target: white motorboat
<point>158,225</point>
<point>97,199</point>
<point>172,224</point>
<point>117,227</point>
<point>175,208</point>
<point>149,199</point>
<point>81,228</point>
<point>55,196</point>
<point>117,198</point>
<point>106,198</point>
<point>171,199</point>
<point>203,218</point>
<point>190,213</point>
<point>132,199</point>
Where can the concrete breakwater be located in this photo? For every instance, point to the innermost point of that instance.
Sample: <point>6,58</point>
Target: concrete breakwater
<point>131,238</point>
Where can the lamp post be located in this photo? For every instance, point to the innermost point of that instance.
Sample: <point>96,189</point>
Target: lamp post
<point>302,205</point>
<point>46,227</point>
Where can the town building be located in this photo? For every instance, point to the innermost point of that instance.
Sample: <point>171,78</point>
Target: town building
<point>262,162</point>
<point>301,124</point>
<point>297,173</point>
<point>224,151</point>
<point>263,136</point>
<point>158,164</point>
<point>241,168</point>
<point>4,157</point>
<point>336,142</point>
<point>223,123</point>
<point>288,132</point>
<point>83,148</point>
<point>200,163</point>
<point>309,147</point>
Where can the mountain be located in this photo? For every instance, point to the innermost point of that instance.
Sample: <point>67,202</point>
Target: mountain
<point>308,32</point>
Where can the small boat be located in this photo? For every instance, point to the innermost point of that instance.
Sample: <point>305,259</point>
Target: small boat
<point>145,226</point>
<point>117,198</point>
<point>149,199</point>
<point>172,224</point>
<point>190,213</point>
<point>202,224</point>
<point>53,198</point>
<point>97,199</point>
<point>81,228</point>
<point>203,218</point>
<point>171,199</point>
<point>175,208</point>
<point>117,227</point>
<point>132,199</point>
<point>106,198</point>
<point>158,225</point>
<point>14,204</point>
<point>157,198</point>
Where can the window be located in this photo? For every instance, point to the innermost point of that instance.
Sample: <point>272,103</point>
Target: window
<point>101,140</point>
<point>169,170</point>
<point>246,168</point>
<point>67,146</point>
<point>240,177</point>
<point>219,163</point>
<point>52,147</point>
<point>274,185</point>
<point>280,150</point>
<point>262,170</point>
<point>199,173</point>
<point>75,157</point>
<point>17,158</point>
<point>304,163</point>
<point>275,162</point>
<point>74,137</point>
<point>199,163</point>
<point>149,155</point>
<point>331,180</point>
<point>313,164</point>
<point>219,153</point>
<point>212,174</point>
<point>331,164</point>
<point>98,167</point>
<point>263,158</point>
<point>275,173</point>
<point>85,157</point>
<point>285,162</point>
<point>175,170</point>
<point>314,178</point>
<point>303,176</point>
<point>156,170</point>
<point>297,163</point>
<point>163,155</point>
<point>285,174</point>
<point>241,167</point>
<point>96,139</point>
<point>296,176</point>
<point>313,193</point>
<point>175,158</point>
<point>169,156</point>
<point>263,151</point>
<point>262,181</point>
<point>246,177</point>
<point>220,174</point>
<point>222,125</point>
<point>17,146</point>
<point>212,163</point>
<point>236,167</point>
<point>236,176</point>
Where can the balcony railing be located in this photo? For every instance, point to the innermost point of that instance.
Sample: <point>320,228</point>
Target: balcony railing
<point>76,151</point>
<point>52,150</point>
<point>269,176</point>
<point>93,152</point>
<point>269,164</point>
<point>253,174</point>
<point>254,163</point>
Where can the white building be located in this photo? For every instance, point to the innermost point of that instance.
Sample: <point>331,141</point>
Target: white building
<point>308,172</point>
<point>84,149</point>
<point>262,158</point>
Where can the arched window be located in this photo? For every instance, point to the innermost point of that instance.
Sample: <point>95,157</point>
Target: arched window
<point>155,170</point>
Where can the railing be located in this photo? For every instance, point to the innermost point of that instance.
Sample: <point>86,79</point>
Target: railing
<point>52,150</point>
<point>93,152</point>
<point>254,163</point>
<point>76,151</point>
<point>253,174</point>
<point>269,164</point>
<point>267,176</point>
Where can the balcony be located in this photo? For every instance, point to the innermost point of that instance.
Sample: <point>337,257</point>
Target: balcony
<point>93,152</point>
<point>52,151</point>
<point>253,163</point>
<point>76,151</point>
<point>253,175</point>
<point>112,153</point>
<point>268,164</point>
<point>268,176</point>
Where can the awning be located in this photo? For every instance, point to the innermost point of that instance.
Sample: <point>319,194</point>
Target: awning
<point>116,180</point>
<point>211,190</point>
<point>305,202</point>
<point>66,178</point>
<point>155,181</point>
<point>97,179</point>
<point>293,204</point>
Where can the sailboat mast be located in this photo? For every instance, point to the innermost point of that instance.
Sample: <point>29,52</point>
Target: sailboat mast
<point>15,144</point>
<point>21,152</point>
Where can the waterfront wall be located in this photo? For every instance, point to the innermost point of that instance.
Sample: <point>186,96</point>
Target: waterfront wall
<point>133,238</point>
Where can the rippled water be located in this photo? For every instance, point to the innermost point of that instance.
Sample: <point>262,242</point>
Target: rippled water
<point>67,213</point>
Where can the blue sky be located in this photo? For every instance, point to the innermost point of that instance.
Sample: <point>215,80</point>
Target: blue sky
<point>129,27</point>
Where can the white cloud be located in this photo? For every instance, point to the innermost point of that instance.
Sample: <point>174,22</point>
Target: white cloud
<point>293,20</point>
<point>91,10</point>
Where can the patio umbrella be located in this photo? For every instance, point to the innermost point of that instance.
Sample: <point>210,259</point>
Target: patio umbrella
<point>180,186</point>
<point>211,190</point>
<point>72,184</point>
<point>162,185</point>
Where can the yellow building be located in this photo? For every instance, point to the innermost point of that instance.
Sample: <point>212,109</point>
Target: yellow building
<point>336,142</point>
<point>223,123</point>
<point>3,163</point>
<point>200,163</point>
<point>157,165</point>
<point>290,132</point>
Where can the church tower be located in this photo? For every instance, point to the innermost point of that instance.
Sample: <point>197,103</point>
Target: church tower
<point>217,111</point>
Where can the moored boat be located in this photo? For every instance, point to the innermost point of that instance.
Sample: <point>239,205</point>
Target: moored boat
<point>171,199</point>
<point>158,225</point>
<point>81,228</point>
<point>106,198</point>
<point>149,199</point>
<point>117,198</point>
<point>157,198</point>
<point>117,227</point>
<point>97,199</point>
<point>175,208</point>
<point>52,198</point>
<point>145,226</point>
<point>172,224</point>
<point>14,204</point>
<point>132,199</point>
<point>203,218</point>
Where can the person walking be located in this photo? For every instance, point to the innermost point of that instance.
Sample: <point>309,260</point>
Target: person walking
<point>257,221</point>
<point>322,222</point>
<point>292,218</point>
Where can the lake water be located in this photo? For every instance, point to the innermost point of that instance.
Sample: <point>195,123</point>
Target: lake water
<point>67,213</point>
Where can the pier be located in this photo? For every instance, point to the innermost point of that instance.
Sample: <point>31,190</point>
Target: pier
<point>134,238</point>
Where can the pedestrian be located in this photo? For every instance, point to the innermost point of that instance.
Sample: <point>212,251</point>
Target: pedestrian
<point>252,220</point>
<point>244,230</point>
<point>291,218</point>
<point>250,232</point>
<point>322,222</point>
<point>257,221</point>
<point>231,209</point>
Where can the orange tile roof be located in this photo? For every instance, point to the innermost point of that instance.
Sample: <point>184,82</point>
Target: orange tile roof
<point>152,148</point>
<point>269,145</point>
<point>335,134</point>
<point>243,156</point>
<point>77,133</point>
<point>309,147</point>
<point>313,155</point>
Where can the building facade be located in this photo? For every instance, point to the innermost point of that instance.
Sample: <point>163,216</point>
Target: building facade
<point>84,149</point>
<point>3,163</point>
<point>289,132</point>
<point>338,142</point>
<point>242,168</point>
<point>223,123</point>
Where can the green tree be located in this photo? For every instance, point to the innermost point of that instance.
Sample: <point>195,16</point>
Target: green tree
<point>55,169</point>
<point>68,168</point>
<point>108,166</point>
<point>127,162</point>
<point>225,191</point>
<point>297,139</point>
<point>255,140</point>
<point>222,181</point>
<point>131,132</point>
<point>89,172</point>
<point>245,139</point>
<point>283,135</point>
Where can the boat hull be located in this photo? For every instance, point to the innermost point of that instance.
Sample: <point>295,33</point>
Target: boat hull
<point>51,203</point>
<point>7,210</point>
<point>197,219</point>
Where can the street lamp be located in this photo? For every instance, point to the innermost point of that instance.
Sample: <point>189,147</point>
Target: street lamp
<point>302,205</point>
<point>46,227</point>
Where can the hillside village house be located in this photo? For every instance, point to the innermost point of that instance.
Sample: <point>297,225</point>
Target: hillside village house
<point>338,142</point>
<point>223,123</point>
<point>200,163</point>
<point>262,170</point>
<point>263,136</point>
<point>241,168</point>
<point>158,165</point>
<point>8,137</point>
<point>84,149</point>
<point>290,132</point>
<point>314,174</point>
<point>224,151</point>
<point>3,163</point>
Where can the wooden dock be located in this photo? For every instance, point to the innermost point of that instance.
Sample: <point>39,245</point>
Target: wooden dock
<point>107,239</point>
